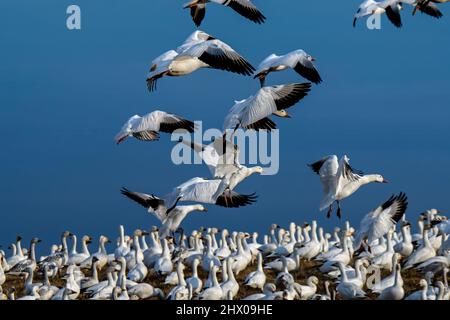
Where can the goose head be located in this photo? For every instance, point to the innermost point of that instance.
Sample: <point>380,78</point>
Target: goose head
<point>380,179</point>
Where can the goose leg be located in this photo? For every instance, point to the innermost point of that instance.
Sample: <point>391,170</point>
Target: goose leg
<point>338,212</point>
<point>330,210</point>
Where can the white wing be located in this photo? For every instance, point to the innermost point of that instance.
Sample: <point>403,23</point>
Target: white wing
<point>327,169</point>
<point>267,63</point>
<point>302,63</point>
<point>219,55</point>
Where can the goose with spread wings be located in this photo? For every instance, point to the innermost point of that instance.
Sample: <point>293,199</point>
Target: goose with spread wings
<point>200,50</point>
<point>195,190</point>
<point>298,60</point>
<point>378,222</point>
<point>339,180</point>
<point>222,159</point>
<point>147,128</point>
<point>392,9</point>
<point>170,218</point>
<point>243,7</point>
<point>253,112</point>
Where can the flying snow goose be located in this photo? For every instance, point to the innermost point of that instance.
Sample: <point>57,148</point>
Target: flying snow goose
<point>253,112</point>
<point>147,128</point>
<point>174,218</point>
<point>243,7</point>
<point>196,190</point>
<point>340,180</point>
<point>378,222</point>
<point>200,50</point>
<point>298,60</point>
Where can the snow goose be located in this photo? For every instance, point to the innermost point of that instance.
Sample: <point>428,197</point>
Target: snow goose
<point>384,260</point>
<point>287,248</point>
<point>179,292</point>
<point>293,263</point>
<point>194,281</point>
<point>243,7</point>
<point>77,258</point>
<point>241,259</point>
<point>253,112</point>
<point>405,246</point>
<point>435,264</point>
<point>421,254</point>
<point>2,270</point>
<point>23,265</point>
<point>147,127</point>
<point>122,249</point>
<point>267,248</point>
<point>17,253</point>
<point>47,291</point>
<point>200,50</point>
<point>348,290</point>
<point>395,292</point>
<point>340,180</point>
<point>298,60</point>
<point>139,271</point>
<point>389,281</point>
<point>420,294</point>
<point>215,291</point>
<point>427,7</point>
<point>306,292</point>
<point>164,265</point>
<point>256,279</point>
<point>33,296</point>
<point>310,249</point>
<point>175,217</point>
<point>88,282</point>
<point>342,257</point>
<point>231,286</point>
<point>390,7</point>
<point>268,290</point>
<point>223,251</point>
<point>378,222</point>
<point>284,278</point>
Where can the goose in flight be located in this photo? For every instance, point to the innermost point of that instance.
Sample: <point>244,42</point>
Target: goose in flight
<point>195,190</point>
<point>253,112</point>
<point>392,9</point>
<point>298,60</point>
<point>147,128</point>
<point>378,222</point>
<point>200,50</point>
<point>243,7</point>
<point>428,7</point>
<point>339,180</point>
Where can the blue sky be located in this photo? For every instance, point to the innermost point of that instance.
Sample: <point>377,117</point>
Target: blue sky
<point>65,94</point>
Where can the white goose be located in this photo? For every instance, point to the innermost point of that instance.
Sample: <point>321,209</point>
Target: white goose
<point>179,292</point>
<point>297,60</point>
<point>164,264</point>
<point>230,288</point>
<point>200,50</point>
<point>340,180</point>
<point>378,222</point>
<point>421,254</point>
<point>405,246</point>
<point>23,265</point>
<point>243,7</point>
<point>147,127</point>
<point>215,291</point>
<point>308,291</point>
<point>78,258</point>
<point>194,281</point>
<point>175,217</point>
<point>395,292</point>
<point>348,289</point>
<point>420,294</point>
<point>253,112</point>
<point>256,279</point>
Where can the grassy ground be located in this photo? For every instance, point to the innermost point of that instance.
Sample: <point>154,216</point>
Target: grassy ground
<point>411,280</point>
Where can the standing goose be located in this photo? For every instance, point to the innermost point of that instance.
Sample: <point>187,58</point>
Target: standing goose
<point>147,127</point>
<point>215,291</point>
<point>253,112</point>
<point>194,281</point>
<point>243,7</point>
<point>378,222</point>
<point>396,292</point>
<point>340,180</point>
<point>77,258</point>
<point>421,254</point>
<point>17,254</point>
<point>299,60</point>
<point>23,265</point>
<point>200,50</point>
<point>256,279</point>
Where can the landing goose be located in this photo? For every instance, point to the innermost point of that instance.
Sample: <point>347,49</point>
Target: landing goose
<point>147,127</point>
<point>298,60</point>
<point>243,7</point>
<point>378,222</point>
<point>339,181</point>
<point>195,190</point>
<point>200,50</point>
<point>253,112</point>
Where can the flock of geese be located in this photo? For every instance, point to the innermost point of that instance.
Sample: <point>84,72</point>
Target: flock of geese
<point>299,262</point>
